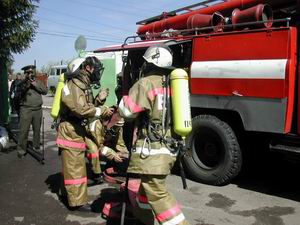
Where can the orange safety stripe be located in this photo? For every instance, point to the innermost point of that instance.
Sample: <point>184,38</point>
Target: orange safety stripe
<point>143,198</point>
<point>71,144</point>
<point>76,181</point>
<point>166,215</point>
<point>92,155</point>
<point>156,91</point>
<point>133,106</point>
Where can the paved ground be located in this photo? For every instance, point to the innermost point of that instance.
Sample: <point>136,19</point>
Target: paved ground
<point>269,195</point>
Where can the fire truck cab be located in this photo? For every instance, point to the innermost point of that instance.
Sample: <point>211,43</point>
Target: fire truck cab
<point>242,59</point>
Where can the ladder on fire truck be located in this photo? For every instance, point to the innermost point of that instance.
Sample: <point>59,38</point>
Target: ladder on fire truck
<point>203,4</point>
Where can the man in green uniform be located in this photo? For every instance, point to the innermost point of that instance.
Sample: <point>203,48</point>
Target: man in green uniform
<point>152,156</point>
<point>31,91</point>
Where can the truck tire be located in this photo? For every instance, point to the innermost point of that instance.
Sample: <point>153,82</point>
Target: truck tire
<point>215,156</point>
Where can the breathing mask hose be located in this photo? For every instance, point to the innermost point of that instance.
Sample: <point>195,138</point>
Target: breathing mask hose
<point>182,173</point>
<point>164,104</point>
<point>168,104</point>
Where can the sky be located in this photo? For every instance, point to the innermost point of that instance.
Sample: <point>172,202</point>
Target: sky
<point>102,22</point>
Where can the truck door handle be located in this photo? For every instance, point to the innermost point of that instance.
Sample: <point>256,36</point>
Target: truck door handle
<point>236,93</point>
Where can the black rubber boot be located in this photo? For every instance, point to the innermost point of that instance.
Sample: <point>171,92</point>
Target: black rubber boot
<point>82,208</point>
<point>96,179</point>
<point>21,153</point>
<point>38,150</point>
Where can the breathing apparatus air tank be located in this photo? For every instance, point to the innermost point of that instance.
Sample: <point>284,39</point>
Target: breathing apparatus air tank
<point>182,122</point>
<point>57,97</point>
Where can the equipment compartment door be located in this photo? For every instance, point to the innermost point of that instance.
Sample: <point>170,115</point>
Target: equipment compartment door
<point>254,66</point>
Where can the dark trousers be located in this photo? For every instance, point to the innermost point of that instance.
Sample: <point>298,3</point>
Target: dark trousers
<point>15,106</point>
<point>30,117</point>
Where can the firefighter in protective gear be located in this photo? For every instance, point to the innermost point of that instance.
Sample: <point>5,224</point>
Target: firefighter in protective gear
<point>152,157</point>
<point>92,152</point>
<point>77,108</point>
<point>111,145</point>
<point>95,141</point>
<point>93,146</point>
<point>114,126</point>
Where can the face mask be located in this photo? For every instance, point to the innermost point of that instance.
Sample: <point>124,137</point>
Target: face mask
<point>97,74</point>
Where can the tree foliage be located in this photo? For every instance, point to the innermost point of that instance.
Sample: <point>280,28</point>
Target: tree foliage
<point>17,30</point>
<point>18,27</point>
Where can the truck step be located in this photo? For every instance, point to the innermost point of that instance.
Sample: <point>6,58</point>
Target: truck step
<point>287,144</point>
<point>285,148</point>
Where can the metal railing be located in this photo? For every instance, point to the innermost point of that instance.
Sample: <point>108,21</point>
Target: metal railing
<point>202,4</point>
<point>202,30</point>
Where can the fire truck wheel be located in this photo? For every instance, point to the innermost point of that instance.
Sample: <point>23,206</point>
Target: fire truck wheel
<point>215,156</point>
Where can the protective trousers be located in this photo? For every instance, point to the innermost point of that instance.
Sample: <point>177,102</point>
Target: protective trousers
<point>93,155</point>
<point>154,196</point>
<point>75,178</point>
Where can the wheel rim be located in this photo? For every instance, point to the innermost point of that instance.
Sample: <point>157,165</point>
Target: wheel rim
<point>208,149</point>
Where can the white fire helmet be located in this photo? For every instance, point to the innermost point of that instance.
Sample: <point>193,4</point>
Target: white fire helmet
<point>159,55</point>
<point>75,64</point>
<point>4,139</point>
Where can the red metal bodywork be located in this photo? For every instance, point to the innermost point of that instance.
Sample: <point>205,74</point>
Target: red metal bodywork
<point>256,45</point>
<point>241,46</point>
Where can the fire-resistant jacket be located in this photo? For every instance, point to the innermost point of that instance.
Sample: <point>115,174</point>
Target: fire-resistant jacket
<point>145,103</point>
<point>96,137</point>
<point>96,134</point>
<point>77,105</point>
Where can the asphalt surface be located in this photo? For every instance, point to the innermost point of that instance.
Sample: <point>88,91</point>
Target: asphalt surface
<point>267,195</point>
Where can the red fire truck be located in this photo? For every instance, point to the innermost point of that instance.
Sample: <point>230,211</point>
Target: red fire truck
<point>242,58</point>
